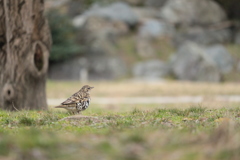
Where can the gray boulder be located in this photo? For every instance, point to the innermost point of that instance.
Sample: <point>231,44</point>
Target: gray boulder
<point>202,36</point>
<point>75,8</point>
<point>135,2</point>
<point>55,4</point>
<point>145,49</point>
<point>67,70</point>
<point>155,3</point>
<point>192,12</point>
<point>118,11</point>
<point>90,68</point>
<point>150,70</point>
<point>153,28</point>
<point>150,33</point>
<point>99,37</point>
<point>96,28</point>
<point>145,12</point>
<point>106,68</point>
<point>238,66</point>
<point>237,37</point>
<point>191,62</point>
<point>221,57</point>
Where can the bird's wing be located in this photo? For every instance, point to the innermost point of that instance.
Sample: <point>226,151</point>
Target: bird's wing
<point>75,98</point>
<point>84,100</point>
<point>66,106</point>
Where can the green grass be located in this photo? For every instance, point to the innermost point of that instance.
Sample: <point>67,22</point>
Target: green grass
<point>192,133</point>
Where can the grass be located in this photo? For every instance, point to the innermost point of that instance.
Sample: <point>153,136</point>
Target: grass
<point>192,133</point>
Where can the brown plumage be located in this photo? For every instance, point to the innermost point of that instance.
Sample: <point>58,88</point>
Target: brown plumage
<point>79,101</point>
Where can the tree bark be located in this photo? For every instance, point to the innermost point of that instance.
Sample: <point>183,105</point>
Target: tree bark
<point>25,42</point>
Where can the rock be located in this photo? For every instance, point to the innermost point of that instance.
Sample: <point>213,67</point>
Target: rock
<point>106,68</point>
<point>192,12</point>
<point>118,11</point>
<point>145,48</point>
<point>222,58</point>
<point>238,66</point>
<point>99,36</point>
<point>79,21</point>
<point>191,62</point>
<point>75,8</point>
<point>67,70</point>
<point>150,70</point>
<point>55,4</point>
<point>145,12</point>
<point>202,36</point>
<point>237,37</point>
<point>151,35</point>
<point>96,28</point>
<point>135,2</point>
<point>153,28</point>
<point>155,3</point>
<point>98,68</point>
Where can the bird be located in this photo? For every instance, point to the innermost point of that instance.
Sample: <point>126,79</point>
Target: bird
<point>78,102</point>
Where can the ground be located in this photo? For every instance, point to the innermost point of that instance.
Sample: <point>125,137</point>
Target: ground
<point>61,89</point>
<point>183,131</point>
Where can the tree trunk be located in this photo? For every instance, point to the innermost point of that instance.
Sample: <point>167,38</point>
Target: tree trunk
<point>24,50</point>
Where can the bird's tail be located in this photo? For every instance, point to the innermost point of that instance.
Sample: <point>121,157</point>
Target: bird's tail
<point>60,106</point>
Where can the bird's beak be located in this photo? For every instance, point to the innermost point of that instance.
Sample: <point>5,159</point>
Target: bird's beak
<point>92,87</point>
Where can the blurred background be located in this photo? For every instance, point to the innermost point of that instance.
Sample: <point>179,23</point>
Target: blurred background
<point>148,40</point>
<point>182,47</point>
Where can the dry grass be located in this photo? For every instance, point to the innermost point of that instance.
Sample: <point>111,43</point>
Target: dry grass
<point>61,89</point>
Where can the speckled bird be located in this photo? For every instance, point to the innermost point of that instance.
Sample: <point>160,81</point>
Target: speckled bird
<point>78,102</point>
